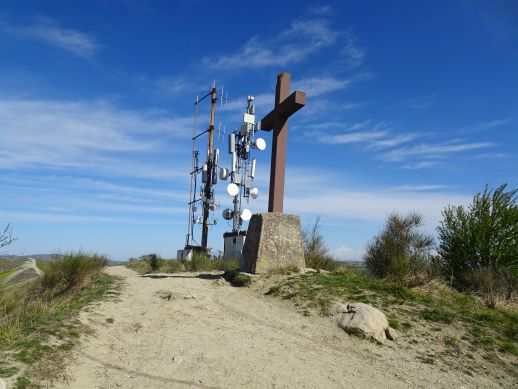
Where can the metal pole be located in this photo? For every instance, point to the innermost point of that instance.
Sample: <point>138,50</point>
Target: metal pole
<point>208,183</point>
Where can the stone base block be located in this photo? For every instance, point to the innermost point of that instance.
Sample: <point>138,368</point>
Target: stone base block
<point>273,241</point>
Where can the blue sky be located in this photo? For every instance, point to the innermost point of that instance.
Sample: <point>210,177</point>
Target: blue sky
<point>411,106</point>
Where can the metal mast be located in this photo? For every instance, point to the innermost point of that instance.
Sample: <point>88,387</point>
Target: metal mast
<point>211,163</point>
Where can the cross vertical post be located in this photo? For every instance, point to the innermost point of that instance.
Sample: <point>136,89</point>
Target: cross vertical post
<point>277,120</point>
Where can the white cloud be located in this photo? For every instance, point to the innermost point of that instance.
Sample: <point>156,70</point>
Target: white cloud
<point>487,125</point>
<point>73,41</point>
<point>345,253</point>
<point>91,135</point>
<point>417,187</point>
<point>302,39</point>
<point>420,165</point>
<point>420,102</point>
<point>172,86</point>
<point>373,205</point>
<point>353,137</point>
<point>322,192</point>
<point>394,141</point>
<point>320,85</point>
<point>354,55</point>
<point>434,150</point>
<point>322,10</point>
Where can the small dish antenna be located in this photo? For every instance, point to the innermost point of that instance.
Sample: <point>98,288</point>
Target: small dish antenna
<point>232,189</point>
<point>228,214</point>
<point>246,214</point>
<point>254,192</point>
<point>260,144</point>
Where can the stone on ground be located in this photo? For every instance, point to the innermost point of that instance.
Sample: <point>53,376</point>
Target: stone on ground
<point>363,320</point>
<point>164,294</point>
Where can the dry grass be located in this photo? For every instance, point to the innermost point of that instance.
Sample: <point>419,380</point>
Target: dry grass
<point>38,322</point>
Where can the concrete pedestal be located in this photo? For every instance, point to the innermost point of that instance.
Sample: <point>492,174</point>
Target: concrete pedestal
<point>273,241</point>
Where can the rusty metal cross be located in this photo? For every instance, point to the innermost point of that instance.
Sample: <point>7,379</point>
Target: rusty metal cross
<point>277,120</point>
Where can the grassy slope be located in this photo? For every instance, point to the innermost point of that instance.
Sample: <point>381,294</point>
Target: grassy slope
<point>7,264</point>
<point>455,327</point>
<point>6,273</point>
<point>35,336</point>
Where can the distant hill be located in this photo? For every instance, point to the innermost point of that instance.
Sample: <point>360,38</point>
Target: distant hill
<point>45,257</point>
<point>48,257</point>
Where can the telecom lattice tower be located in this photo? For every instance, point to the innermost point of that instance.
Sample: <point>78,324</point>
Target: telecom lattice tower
<point>209,178</point>
<point>241,142</point>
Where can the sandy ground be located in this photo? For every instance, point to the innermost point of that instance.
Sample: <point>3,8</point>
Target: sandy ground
<point>211,335</point>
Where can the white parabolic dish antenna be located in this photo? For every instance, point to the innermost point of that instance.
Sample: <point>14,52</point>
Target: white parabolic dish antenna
<point>260,143</point>
<point>246,214</point>
<point>254,192</point>
<point>232,189</point>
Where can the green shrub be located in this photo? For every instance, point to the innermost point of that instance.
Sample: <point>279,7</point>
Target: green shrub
<point>315,250</point>
<point>478,246</point>
<point>173,266</point>
<point>401,253</point>
<point>144,268</point>
<point>152,260</point>
<point>235,278</point>
<point>69,271</point>
<point>324,262</point>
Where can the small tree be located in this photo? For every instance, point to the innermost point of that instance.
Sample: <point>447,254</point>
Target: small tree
<point>151,259</point>
<point>6,237</point>
<point>315,250</point>
<point>478,246</point>
<point>401,252</point>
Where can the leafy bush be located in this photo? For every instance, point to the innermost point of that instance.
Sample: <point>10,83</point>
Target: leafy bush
<point>152,260</point>
<point>69,271</point>
<point>401,252</point>
<point>200,262</point>
<point>315,250</point>
<point>235,278</point>
<point>173,266</point>
<point>478,246</point>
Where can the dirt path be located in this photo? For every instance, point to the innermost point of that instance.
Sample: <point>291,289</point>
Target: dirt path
<point>29,267</point>
<point>229,337</point>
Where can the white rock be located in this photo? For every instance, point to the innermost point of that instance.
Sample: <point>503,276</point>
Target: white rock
<point>391,333</point>
<point>361,319</point>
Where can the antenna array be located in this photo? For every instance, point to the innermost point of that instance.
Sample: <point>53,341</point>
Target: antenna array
<point>209,178</point>
<point>241,142</point>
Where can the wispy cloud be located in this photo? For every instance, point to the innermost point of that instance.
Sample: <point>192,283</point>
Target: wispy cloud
<point>172,86</point>
<point>487,125</point>
<point>393,141</point>
<point>73,41</point>
<point>420,102</point>
<point>91,135</point>
<point>353,54</point>
<point>339,202</point>
<point>321,10</point>
<point>352,137</point>
<point>417,187</point>
<point>320,85</point>
<point>375,135</point>
<point>300,40</point>
<point>346,253</point>
<point>420,165</point>
<point>434,150</point>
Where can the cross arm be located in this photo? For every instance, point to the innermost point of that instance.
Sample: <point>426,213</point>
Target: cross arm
<point>285,109</point>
